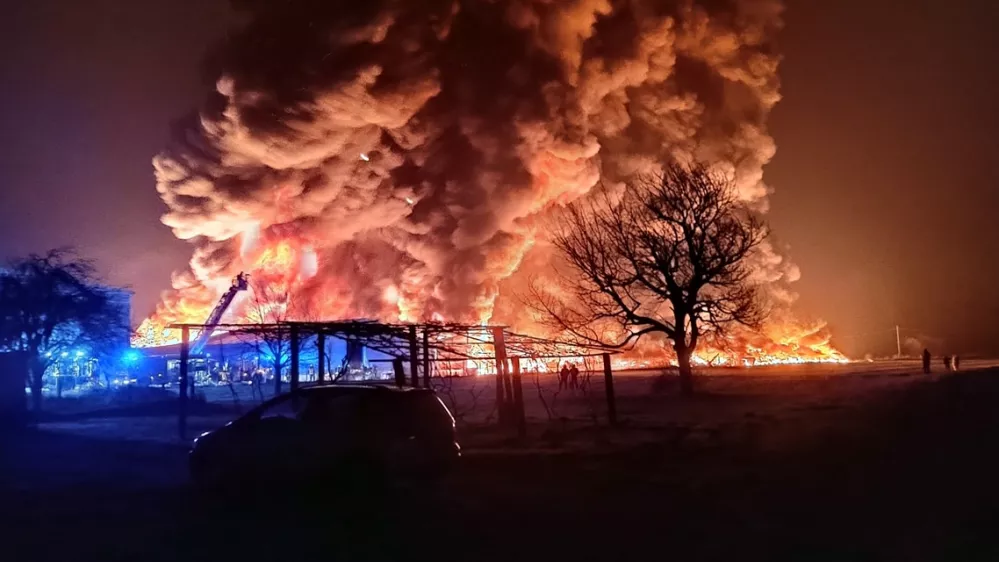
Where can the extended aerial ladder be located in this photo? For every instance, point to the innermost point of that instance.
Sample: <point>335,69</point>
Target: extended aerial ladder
<point>239,283</point>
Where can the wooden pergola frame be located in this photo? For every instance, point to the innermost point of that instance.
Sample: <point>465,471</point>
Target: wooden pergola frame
<point>421,345</point>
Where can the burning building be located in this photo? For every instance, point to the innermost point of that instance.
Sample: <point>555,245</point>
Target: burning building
<point>399,160</point>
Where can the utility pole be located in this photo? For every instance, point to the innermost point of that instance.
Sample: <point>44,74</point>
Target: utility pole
<point>898,343</point>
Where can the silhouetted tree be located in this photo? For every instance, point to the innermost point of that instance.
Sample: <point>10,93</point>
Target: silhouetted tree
<point>668,257</point>
<point>54,303</point>
<point>273,304</point>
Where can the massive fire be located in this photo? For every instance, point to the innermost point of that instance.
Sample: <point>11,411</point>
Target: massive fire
<point>283,269</point>
<point>398,161</point>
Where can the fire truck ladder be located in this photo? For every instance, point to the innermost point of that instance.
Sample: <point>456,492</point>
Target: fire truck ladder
<point>238,284</point>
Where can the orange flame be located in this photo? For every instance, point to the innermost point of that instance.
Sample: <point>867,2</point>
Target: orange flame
<point>279,269</point>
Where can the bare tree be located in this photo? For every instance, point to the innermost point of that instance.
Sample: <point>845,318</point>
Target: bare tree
<point>52,304</point>
<point>549,406</point>
<point>543,379</point>
<point>589,366</point>
<point>668,258</point>
<point>462,404</point>
<point>273,304</point>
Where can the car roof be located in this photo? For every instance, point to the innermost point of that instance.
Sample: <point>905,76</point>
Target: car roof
<point>345,388</point>
<point>342,389</point>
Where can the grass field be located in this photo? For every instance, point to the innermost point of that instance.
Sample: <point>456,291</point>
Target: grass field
<point>728,397</point>
<point>879,464</point>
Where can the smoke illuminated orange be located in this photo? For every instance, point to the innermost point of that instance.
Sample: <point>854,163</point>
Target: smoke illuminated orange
<point>404,177</point>
<point>276,274</point>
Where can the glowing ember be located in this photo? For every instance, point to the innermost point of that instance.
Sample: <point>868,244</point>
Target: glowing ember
<point>385,169</point>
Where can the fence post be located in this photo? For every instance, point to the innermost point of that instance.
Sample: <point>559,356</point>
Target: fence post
<point>609,390</point>
<point>426,358</point>
<point>321,368</point>
<point>414,358</point>
<point>400,373</point>
<point>499,347</point>
<point>277,348</point>
<point>293,341</point>
<point>185,353</point>
<point>518,399</point>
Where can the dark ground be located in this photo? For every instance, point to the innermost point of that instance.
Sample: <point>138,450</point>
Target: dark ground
<point>908,475</point>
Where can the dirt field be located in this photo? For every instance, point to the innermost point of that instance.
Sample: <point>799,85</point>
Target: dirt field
<point>886,465</point>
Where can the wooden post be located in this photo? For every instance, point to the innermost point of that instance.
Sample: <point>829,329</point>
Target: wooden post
<point>500,409</point>
<point>293,341</point>
<point>185,353</point>
<point>518,399</point>
<point>277,348</point>
<point>414,358</point>
<point>321,371</point>
<point>499,346</point>
<point>426,358</point>
<point>400,373</point>
<point>609,390</point>
<point>511,416</point>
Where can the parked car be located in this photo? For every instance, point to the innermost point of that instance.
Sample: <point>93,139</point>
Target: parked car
<point>322,433</point>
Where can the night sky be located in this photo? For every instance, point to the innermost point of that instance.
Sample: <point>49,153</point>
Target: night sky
<point>885,186</point>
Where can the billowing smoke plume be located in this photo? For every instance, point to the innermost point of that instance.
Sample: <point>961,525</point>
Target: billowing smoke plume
<point>406,152</point>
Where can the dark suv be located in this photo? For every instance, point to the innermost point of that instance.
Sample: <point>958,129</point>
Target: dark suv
<point>371,433</point>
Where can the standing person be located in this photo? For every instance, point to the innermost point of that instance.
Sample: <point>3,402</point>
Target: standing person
<point>574,376</point>
<point>946,362</point>
<point>257,383</point>
<point>957,362</point>
<point>926,361</point>
<point>563,377</point>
